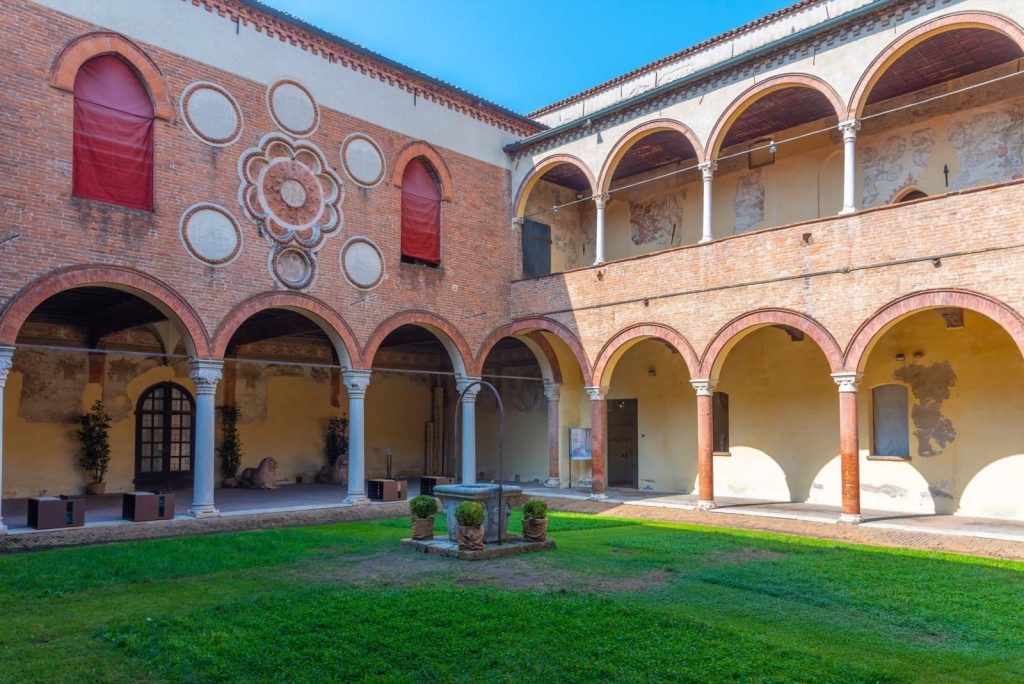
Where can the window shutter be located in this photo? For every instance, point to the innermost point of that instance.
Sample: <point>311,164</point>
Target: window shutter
<point>421,214</point>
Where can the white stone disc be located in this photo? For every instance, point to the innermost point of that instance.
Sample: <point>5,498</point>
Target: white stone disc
<point>362,159</point>
<point>293,267</point>
<point>293,108</point>
<point>362,263</point>
<point>210,234</point>
<point>211,114</point>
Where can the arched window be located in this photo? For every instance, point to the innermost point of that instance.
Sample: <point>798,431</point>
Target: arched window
<point>421,214</point>
<point>891,425</point>
<point>910,195</point>
<point>113,140</point>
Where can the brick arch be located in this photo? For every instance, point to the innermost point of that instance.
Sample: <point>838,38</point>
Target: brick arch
<point>635,135</point>
<point>921,33</point>
<point>529,325</point>
<point>542,167</point>
<point>626,339</point>
<point>80,50</point>
<point>157,293</point>
<point>416,149</point>
<point>859,348</point>
<point>333,325</point>
<point>448,334</point>
<point>727,338</point>
<point>755,93</point>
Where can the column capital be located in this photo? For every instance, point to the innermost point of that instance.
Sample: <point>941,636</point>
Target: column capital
<point>464,381</point>
<point>6,363</point>
<point>356,381</point>
<point>600,199</point>
<point>552,390</point>
<point>205,373</point>
<point>704,387</point>
<point>849,129</point>
<point>598,393</point>
<point>518,221</point>
<point>707,169</point>
<point>847,380</point>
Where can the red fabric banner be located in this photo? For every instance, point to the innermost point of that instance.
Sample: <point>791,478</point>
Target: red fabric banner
<point>113,139</point>
<point>421,214</point>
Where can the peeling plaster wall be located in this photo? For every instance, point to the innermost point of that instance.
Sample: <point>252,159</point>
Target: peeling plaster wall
<point>572,237</point>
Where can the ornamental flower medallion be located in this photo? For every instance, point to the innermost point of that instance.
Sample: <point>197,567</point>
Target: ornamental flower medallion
<point>290,191</point>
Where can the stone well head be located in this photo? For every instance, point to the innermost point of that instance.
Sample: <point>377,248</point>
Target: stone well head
<point>487,496</point>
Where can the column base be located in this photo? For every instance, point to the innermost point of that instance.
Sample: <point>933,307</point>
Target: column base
<point>705,505</point>
<point>553,482</point>
<point>356,499</point>
<point>206,511</point>
<point>704,240</point>
<point>3,528</point>
<point>847,210</point>
<point>849,519</point>
<point>598,262</point>
<point>598,496</point>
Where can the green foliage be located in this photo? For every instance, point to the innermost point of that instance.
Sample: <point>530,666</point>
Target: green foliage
<point>535,509</point>
<point>93,433</point>
<point>231,443</point>
<point>336,439</point>
<point>423,506</point>
<point>469,514</point>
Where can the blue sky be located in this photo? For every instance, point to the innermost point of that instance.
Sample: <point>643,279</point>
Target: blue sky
<point>525,54</point>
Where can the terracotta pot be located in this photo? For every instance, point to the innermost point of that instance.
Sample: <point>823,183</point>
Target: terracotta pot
<point>535,529</point>
<point>471,538</point>
<point>423,528</point>
<point>95,487</point>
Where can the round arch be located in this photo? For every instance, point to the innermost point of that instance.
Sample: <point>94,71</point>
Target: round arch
<point>80,50</point>
<point>635,135</point>
<point>530,325</point>
<point>542,167</point>
<point>624,340</point>
<point>416,149</point>
<point>324,316</point>
<point>449,336</point>
<point>921,33</point>
<point>160,295</point>
<point>734,331</point>
<point>755,93</point>
<point>859,349</point>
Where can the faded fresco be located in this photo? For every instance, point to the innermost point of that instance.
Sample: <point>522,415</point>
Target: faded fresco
<point>657,221</point>
<point>894,165</point>
<point>52,385</point>
<point>749,202</point>
<point>931,386</point>
<point>988,146</point>
<point>121,370</point>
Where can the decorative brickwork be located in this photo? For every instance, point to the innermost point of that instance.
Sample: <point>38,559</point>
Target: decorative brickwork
<point>419,148</point>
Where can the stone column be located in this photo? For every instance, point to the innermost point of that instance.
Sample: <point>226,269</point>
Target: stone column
<point>599,201</point>
<point>849,130</point>
<point>849,445</point>
<point>6,355</point>
<point>707,170</point>
<point>552,391</point>
<point>356,382</point>
<point>205,373</point>
<point>468,428</point>
<point>598,428</point>
<point>705,443</point>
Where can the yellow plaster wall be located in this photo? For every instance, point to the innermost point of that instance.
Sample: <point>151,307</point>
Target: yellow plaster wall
<point>572,240</point>
<point>526,434</point>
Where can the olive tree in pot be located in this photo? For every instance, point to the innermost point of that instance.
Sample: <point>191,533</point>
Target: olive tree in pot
<point>470,517</point>
<point>535,520</point>
<point>93,433</point>
<point>423,510</point>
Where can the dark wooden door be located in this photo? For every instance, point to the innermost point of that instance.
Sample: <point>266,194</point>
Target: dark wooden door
<point>623,448</point>
<point>536,249</point>
<point>164,437</point>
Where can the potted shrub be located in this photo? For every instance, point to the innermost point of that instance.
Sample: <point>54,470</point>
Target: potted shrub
<point>93,433</point>
<point>535,520</point>
<point>470,517</point>
<point>231,443</point>
<point>423,510</point>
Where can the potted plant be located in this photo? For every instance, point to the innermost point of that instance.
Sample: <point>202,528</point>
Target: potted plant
<point>535,520</point>
<point>93,433</point>
<point>231,443</point>
<point>470,517</point>
<point>423,510</point>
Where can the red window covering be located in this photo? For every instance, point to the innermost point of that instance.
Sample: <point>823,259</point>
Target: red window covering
<point>113,141</point>
<point>421,213</point>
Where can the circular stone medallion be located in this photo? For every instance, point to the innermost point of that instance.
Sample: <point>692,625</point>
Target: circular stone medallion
<point>211,114</point>
<point>293,107</point>
<point>210,234</point>
<point>362,159</point>
<point>293,268</point>
<point>362,263</point>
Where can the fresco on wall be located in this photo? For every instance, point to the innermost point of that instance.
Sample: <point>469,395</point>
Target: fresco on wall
<point>571,244</point>
<point>121,370</point>
<point>931,386</point>
<point>988,146</point>
<point>52,385</point>
<point>895,164</point>
<point>657,221</point>
<point>749,202</point>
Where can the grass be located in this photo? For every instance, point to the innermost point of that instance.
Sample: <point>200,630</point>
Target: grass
<point>618,601</point>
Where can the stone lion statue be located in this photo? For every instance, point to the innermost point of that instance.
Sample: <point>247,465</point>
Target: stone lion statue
<point>336,474</point>
<point>263,476</point>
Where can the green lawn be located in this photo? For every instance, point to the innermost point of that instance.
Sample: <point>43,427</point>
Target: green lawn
<point>618,601</point>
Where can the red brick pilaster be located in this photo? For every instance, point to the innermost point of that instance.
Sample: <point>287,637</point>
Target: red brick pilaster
<point>705,443</point>
<point>849,447</point>
<point>598,438</point>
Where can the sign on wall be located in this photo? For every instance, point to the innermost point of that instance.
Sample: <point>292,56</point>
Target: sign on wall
<point>579,444</point>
